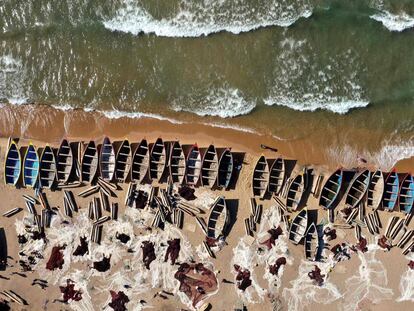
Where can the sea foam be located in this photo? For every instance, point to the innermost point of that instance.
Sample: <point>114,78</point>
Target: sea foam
<point>206,17</point>
<point>394,22</point>
<point>407,283</point>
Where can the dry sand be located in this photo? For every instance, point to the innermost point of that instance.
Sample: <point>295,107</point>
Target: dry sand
<point>226,298</point>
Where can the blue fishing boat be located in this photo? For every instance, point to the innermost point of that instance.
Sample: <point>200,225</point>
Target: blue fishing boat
<point>12,165</point>
<point>391,189</point>
<point>330,191</point>
<point>406,196</point>
<point>30,166</point>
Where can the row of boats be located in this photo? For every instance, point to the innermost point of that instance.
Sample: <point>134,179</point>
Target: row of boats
<point>387,190</point>
<point>119,161</point>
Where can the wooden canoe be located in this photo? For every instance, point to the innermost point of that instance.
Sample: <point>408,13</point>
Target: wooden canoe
<point>123,161</point>
<point>89,163</point>
<point>218,219</point>
<point>64,162</point>
<point>298,227</point>
<point>225,170</point>
<point>177,163</point>
<point>140,162</point>
<point>157,160</point>
<point>357,188</point>
<point>375,190</point>
<point>47,170</point>
<point>30,166</point>
<point>12,165</point>
<point>295,192</point>
<point>311,243</point>
<point>331,189</point>
<point>193,165</point>
<point>406,196</point>
<point>209,167</point>
<point>391,190</point>
<point>277,176</point>
<point>260,177</point>
<point>107,160</point>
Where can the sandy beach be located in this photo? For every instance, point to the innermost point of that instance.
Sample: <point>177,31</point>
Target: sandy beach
<point>332,295</point>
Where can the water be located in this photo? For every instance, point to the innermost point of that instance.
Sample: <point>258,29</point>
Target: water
<point>337,73</point>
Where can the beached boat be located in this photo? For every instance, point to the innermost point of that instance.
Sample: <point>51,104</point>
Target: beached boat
<point>30,166</point>
<point>406,196</point>
<point>123,161</point>
<point>64,162</point>
<point>295,192</point>
<point>107,160</point>
<point>193,166</point>
<point>277,176</point>
<point>375,190</point>
<point>311,243</point>
<point>177,163</point>
<point>298,227</point>
<point>140,162</point>
<point>47,169</point>
<point>157,161</point>
<point>260,177</point>
<point>225,170</point>
<point>218,219</point>
<point>357,188</point>
<point>331,189</point>
<point>391,189</point>
<point>209,167</point>
<point>12,165</point>
<point>89,163</point>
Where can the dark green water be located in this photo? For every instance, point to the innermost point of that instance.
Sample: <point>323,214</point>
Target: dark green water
<point>340,73</point>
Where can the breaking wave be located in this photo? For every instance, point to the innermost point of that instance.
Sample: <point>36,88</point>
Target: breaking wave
<point>394,22</point>
<point>12,77</point>
<point>201,18</point>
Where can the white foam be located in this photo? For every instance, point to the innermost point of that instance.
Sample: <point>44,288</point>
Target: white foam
<point>224,102</point>
<point>369,284</point>
<point>201,18</point>
<point>407,283</point>
<point>12,77</point>
<point>394,22</point>
<point>116,114</point>
<point>303,83</point>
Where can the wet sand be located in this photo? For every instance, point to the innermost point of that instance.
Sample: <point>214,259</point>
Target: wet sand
<point>226,298</point>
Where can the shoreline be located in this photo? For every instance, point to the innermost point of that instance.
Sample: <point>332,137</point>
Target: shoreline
<point>48,124</point>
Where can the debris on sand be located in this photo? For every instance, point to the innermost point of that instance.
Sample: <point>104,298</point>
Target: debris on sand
<point>119,300</point>
<point>56,258</point>
<point>316,276</point>
<point>274,269</point>
<point>82,248</point>
<point>173,250</point>
<point>274,235</point>
<point>242,278</point>
<point>69,292</point>
<point>148,253</point>
<point>103,265</point>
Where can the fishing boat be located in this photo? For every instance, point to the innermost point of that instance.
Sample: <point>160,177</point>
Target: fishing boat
<point>123,161</point>
<point>391,189</point>
<point>295,192</point>
<point>177,163</point>
<point>47,169</point>
<point>311,243</point>
<point>64,162</point>
<point>225,170</point>
<point>209,167</point>
<point>331,189</point>
<point>12,165</point>
<point>277,176</point>
<point>218,219</point>
<point>298,227</point>
<point>260,177</point>
<point>375,190</point>
<point>107,160</point>
<point>193,166</point>
<point>140,162</point>
<point>89,163</point>
<point>406,196</point>
<point>357,188</point>
<point>157,160</point>
<point>30,166</point>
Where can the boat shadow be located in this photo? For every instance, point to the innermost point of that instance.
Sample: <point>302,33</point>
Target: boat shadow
<point>3,250</point>
<point>232,208</point>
